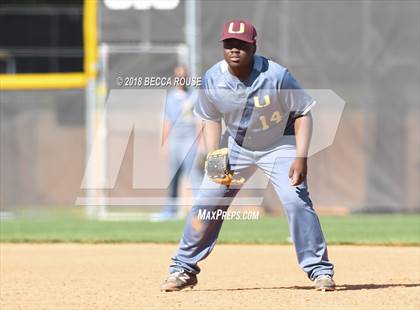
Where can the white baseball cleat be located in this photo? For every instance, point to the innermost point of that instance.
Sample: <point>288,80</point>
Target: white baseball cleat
<point>324,283</point>
<point>179,280</point>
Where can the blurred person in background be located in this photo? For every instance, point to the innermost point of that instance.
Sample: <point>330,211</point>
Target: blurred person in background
<point>180,133</point>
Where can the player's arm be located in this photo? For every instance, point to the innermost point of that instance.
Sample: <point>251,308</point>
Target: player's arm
<point>211,134</point>
<point>217,163</point>
<point>303,133</point>
<point>199,127</point>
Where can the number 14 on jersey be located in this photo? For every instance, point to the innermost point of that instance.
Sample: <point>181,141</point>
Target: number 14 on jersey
<point>275,118</point>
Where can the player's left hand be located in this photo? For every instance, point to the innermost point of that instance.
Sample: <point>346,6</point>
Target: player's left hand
<point>297,171</point>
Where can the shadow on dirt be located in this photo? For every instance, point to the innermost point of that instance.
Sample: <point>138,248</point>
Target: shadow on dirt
<point>341,287</point>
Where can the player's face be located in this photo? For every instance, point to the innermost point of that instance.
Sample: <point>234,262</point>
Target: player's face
<point>238,53</point>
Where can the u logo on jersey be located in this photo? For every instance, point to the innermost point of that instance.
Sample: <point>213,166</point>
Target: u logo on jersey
<point>258,104</point>
<point>241,28</point>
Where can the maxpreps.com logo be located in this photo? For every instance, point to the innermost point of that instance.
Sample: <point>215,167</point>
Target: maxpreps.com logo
<point>216,215</point>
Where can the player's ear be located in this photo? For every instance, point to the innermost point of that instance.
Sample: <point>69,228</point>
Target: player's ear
<point>254,48</point>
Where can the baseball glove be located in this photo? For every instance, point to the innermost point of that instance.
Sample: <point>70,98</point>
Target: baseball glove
<point>218,170</point>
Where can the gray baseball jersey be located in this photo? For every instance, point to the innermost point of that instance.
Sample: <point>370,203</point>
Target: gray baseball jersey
<point>273,94</point>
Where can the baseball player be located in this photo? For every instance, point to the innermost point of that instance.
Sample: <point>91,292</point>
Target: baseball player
<point>179,129</point>
<point>267,116</point>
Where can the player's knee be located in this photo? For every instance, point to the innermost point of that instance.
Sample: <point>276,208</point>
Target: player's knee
<point>297,193</point>
<point>294,203</point>
<point>197,223</point>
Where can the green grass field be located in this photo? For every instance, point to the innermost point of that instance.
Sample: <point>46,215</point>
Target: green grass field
<point>389,229</point>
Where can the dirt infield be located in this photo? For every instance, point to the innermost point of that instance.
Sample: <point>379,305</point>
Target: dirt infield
<point>127,276</point>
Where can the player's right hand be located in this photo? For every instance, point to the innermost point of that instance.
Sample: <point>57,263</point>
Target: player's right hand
<point>298,171</point>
